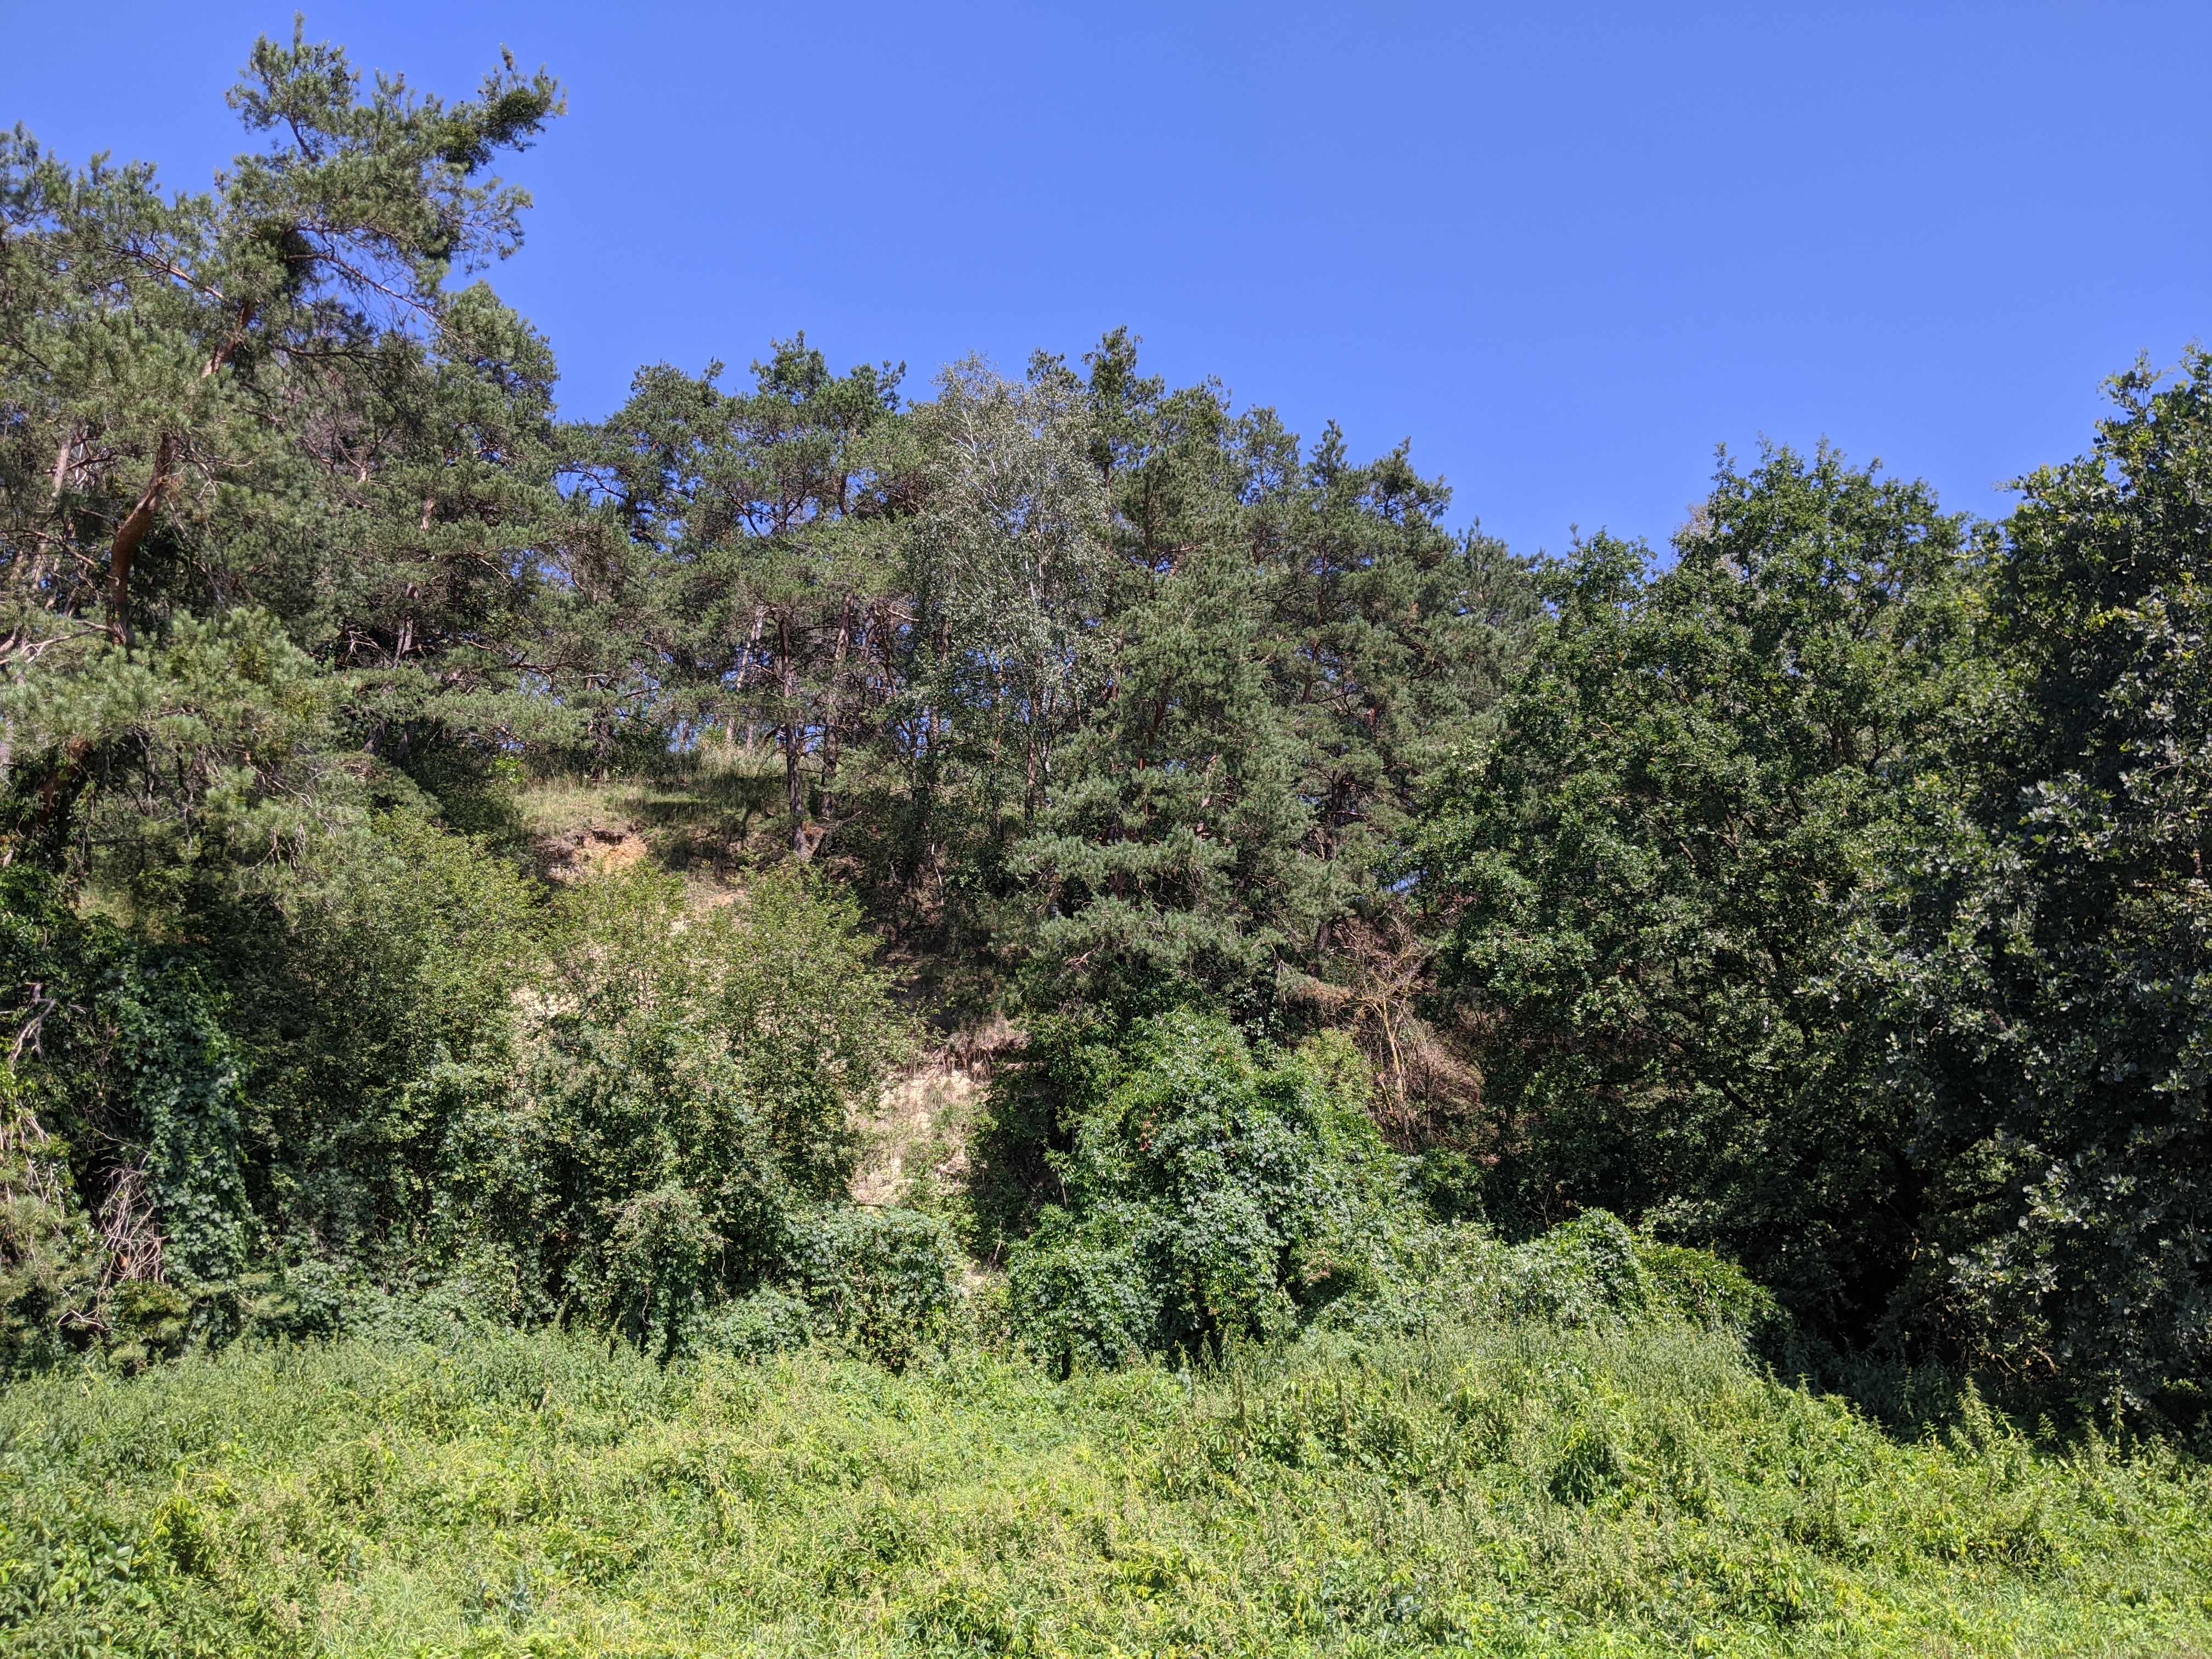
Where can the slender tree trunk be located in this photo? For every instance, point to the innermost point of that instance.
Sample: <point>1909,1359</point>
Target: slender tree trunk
<point>130,534</point>
<point>746,659</point>
<point>793,735</point>
<point>602,744</point>
<point>62,458</point>
<point>1029,775</point>
<point>832,708</point>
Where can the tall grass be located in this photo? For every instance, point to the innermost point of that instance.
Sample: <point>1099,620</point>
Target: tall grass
<point>1507,1489</point>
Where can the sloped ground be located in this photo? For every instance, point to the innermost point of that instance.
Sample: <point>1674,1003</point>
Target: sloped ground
<point>914,1147</point>
<point>1493,1489</point>
<point>914,1144</point>
<point>710,829</point>
<point>706,827</point>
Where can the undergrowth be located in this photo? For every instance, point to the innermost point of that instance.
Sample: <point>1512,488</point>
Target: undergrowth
<point>1501,1487</point>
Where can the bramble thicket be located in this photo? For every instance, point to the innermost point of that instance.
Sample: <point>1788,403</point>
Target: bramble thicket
<point>1028,1014</point>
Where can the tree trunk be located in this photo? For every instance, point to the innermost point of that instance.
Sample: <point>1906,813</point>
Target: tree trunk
<point>747,661</point>
<point>603,742</point>
<point>831,708</point>
<point>792,733</point>
<point>123,551</point>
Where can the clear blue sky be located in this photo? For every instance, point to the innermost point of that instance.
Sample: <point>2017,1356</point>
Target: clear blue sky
<point>1566,248</point>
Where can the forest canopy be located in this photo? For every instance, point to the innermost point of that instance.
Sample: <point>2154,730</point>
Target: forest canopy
<point>1823,890</point>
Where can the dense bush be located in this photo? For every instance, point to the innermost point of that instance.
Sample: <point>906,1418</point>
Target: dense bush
<point>122,1105</point>
<point>1211,1195</point>
<point>364,1009</point>
<point>881,1280</point>
<point>681,1100</point>
<point>643,1132</point>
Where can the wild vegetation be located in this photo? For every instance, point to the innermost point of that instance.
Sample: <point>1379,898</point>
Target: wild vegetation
<point>1523,1486</point>
<point>1041,1017</point>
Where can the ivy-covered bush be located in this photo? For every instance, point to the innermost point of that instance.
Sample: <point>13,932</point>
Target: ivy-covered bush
<point>366,1010</point>
<point>878,1282</point>
<point>120,1106</point>
<point>768,1322</point>
<point>1594,1271</point>
<point>1213,1194</point>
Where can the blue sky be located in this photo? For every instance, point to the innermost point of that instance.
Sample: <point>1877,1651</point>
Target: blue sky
<point>1566,249</point>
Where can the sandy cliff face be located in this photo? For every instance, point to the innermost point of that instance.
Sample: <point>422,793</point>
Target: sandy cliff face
<point>916,1142</point>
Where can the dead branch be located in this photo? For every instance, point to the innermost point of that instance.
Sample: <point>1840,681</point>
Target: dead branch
<point>134,1245</point>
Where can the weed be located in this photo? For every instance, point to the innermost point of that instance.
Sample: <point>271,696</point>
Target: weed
<point>1498,1486</point>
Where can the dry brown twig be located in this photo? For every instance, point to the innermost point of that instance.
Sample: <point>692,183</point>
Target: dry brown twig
<point>134,1245</point>
<point>1424,1081</point>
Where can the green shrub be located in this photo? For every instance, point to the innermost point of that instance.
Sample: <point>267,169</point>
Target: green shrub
<point>768,1322</point>
<point>1593,1270</point>
<point>146,1322</point>
<point>1212,1196</point>
<point>49,1276</point>
<point>681,1098</point>
<point>656,1258</point>
<point>367,1014</point>
<point>1584,1272</point>
<point>1707,1289</point>
<point>1590,1273</point>
<point>880,1280</point>
<point>1075,1292</point>
<point>120,1097</point>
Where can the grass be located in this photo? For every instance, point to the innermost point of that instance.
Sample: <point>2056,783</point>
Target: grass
<point>1501,1489</point>
<point>709,816</point>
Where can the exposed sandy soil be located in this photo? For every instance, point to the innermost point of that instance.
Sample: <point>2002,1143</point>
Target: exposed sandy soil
<point>595,850</point>
<point>916,1142</point>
